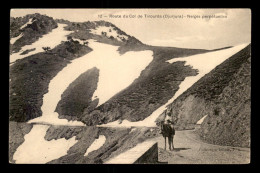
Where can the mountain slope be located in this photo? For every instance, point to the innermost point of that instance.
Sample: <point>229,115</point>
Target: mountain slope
<point>30,76</point>
<point>231,126</point>
<point>66,80</point>
<point>29,29</point>
<point>224,96</point>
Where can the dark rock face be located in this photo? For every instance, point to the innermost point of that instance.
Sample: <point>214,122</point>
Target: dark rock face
<point>223,95</point>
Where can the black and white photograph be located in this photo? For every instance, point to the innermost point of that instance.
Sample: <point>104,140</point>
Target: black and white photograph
<point>130,86</point>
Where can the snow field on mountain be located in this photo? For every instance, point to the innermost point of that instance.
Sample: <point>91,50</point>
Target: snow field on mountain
<point>35,149</point>
<point>52,39</point>
<point>201,120</point>
<point>204,63</point>
<point>116,72</point>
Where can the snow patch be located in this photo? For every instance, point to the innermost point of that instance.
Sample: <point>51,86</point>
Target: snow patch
<point>27,23</point>
<point>204,63</point>
<point>96,144</point>
<point>201,120</point>
<point>133,129</point>
<point>14,39</point>
<point>52,39</point>
<point>37,150</point>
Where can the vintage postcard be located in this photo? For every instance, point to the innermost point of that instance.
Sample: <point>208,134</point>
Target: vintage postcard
<point>130,86</point>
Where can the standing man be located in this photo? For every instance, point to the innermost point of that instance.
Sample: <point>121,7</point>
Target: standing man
<point>168,130</point>
<point>171,134</point>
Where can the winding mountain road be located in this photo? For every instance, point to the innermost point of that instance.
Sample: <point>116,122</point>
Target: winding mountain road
<point>189,149</point>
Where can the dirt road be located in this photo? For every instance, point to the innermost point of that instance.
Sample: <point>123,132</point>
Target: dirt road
<point>189,149</point>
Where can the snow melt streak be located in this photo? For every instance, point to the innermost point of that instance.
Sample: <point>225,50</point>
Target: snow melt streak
<point>52,39</point>
<point>36,149</point>
<point>13,40</point>
<point>201,120</point>
<point>203,62</point>
<point>27,23</point>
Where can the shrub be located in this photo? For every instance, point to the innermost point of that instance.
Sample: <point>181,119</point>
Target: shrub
<point>46,49</point>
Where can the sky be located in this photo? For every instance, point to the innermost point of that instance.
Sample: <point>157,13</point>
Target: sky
<point>193,30</point>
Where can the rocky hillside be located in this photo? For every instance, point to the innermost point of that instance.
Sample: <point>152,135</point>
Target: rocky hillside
<point>224,96</point>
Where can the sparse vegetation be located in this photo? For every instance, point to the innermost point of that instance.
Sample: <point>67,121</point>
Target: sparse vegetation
<point>46,49</point>
<point>104,33</point>
<point>85,43</point>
